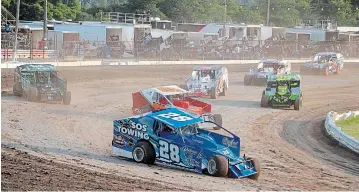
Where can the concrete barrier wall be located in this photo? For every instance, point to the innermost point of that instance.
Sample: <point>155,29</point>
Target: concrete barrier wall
<point>124,62</point>
<point>336,132</point>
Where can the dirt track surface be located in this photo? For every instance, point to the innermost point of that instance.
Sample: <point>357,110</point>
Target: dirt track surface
<point>290,144</point>
<point>35,173</point>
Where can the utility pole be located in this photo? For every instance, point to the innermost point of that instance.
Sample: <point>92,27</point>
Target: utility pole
<point>268,11</point>
<point>225,18</point>
<point>45,21</point>
<point>16,31</point>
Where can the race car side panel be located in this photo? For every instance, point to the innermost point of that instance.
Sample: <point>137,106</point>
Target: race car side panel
<point>206,107</point>
<point>172,150</point>
<point>140,104</point>
<point>169,148</point>
<point>232,144</point>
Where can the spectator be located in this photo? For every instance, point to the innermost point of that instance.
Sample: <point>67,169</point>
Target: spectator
<point>50,44</point>
<point>41,44</point>
<point>7,28</point>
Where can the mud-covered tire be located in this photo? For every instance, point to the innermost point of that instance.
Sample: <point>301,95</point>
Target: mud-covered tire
<point>217,166</point>
<point>214,94</point>
<point>337,70</point>
<point>149,155</point>
<point>247,80</point>
<point>15,89</point>
<point>32,94</point>
<point>225,89</point>
<point>257,166</point>
<point>264,100</point>
<point>325,71</point>
<point>217,119</point>
<point>67,98</point>
<point>297,104</point>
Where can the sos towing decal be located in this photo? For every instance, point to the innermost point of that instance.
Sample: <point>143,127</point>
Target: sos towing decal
<point>128,127</point>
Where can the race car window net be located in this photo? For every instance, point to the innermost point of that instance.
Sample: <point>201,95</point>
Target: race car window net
<point>322,58</point>
<point>189,129</point>
<point>160,127</point>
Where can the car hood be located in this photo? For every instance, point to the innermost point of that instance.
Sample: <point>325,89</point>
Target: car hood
<point>282,90</point>
<point>206,142</point>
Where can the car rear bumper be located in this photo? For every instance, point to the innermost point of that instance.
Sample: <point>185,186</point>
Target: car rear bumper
<point>197,94</point>
<point>50,97</point>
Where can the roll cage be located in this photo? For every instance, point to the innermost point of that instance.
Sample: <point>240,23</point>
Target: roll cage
<point>188,129</point>
<point>289,83</point>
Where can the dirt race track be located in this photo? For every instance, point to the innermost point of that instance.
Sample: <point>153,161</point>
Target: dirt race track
<point>71,143</point>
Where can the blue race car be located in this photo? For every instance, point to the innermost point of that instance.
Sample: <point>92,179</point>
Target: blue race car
<point>174,137</point>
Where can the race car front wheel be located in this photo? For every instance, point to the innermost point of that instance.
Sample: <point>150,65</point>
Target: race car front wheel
<point>217,166</point>
<point>257,166</point>
<point>143,152</point>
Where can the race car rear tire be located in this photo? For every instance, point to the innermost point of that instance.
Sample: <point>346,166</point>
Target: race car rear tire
<point>224,92</point>
<point>217,119</point>
<point>337,70</point>
<point>257,166</point>
<point>214,93</point>
<point>143,152</point>
<point>247,80</point>
<point>15,89</point>
<point>67,98</point>
<point>33,94</point>
<point>325,71</point>
<point>297,103</point>
<point>264,101</point>
<point>217,166</point>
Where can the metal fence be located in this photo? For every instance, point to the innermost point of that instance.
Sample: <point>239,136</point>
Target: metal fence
<point>175,50</point>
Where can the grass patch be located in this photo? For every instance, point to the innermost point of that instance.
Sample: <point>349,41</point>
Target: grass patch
<point>350,126</point>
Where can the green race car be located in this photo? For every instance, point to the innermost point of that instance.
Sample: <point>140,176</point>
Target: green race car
<point>283,91</point>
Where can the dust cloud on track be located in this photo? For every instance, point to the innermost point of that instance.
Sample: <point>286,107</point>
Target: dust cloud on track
<point>290,145</point>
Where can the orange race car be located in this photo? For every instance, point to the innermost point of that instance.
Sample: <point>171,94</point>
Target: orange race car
<point>163,97</point>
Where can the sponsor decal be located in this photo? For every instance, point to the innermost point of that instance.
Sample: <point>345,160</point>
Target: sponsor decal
<point>131,128</point>
<point>229,142</point>
<point>189,153</point>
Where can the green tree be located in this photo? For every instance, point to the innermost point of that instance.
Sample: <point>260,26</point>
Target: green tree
<point>340,10</point>
<point>181,11</point>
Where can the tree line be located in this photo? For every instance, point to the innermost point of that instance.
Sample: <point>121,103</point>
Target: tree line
<point>282,12</point>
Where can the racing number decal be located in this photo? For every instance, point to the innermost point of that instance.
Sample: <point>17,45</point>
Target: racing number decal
<point>175,117</point>
<point>169,151</point>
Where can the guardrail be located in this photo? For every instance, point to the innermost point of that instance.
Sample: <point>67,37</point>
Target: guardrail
<point>336,132</point>
<point>11,64</point>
